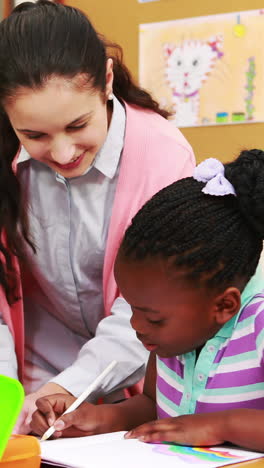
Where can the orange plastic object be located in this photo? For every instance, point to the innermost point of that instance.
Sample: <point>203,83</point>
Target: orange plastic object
<point>22,451</point>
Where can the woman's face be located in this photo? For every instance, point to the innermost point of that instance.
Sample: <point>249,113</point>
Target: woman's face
<point>63,124</point>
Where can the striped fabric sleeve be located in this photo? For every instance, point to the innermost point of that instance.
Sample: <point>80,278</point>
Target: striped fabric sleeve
<point>259,332</point>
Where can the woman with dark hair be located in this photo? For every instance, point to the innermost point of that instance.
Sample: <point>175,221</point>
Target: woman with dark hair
<point>89,147</point>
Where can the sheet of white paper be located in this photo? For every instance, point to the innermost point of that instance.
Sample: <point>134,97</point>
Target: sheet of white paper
<point>113,451</point>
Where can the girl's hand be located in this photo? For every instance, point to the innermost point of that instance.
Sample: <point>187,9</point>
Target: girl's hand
<point>87,419</point>
<point>23,422</point>
<point>194,429</point>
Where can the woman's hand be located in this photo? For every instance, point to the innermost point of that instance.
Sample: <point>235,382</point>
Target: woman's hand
<point>23,422</point>
<point>195,429</point>
<point>87,419</point>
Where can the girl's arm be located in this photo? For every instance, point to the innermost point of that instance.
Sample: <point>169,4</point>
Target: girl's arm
<point>91,419</point>
<point>243,427</point>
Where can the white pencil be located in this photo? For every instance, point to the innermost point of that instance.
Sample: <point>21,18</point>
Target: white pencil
<point>82,397</point>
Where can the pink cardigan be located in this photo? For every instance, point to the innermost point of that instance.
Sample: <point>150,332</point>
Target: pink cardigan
<point>155,154</point>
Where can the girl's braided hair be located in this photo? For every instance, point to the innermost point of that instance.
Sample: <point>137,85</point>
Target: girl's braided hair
<point>215,239</point>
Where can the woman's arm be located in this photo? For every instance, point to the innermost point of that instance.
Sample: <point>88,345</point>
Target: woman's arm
<point>8,360</point>
<point>91,419</point>
<point>113,333</point>
<point>115,336</point>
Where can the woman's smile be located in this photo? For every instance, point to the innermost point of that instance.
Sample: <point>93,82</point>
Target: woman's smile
<point>73,163</point>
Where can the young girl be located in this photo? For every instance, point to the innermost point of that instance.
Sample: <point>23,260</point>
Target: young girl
<point>90,147</point>
<point>182,266</point>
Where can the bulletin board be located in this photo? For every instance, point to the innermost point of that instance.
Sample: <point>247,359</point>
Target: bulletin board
<point>120,20</point>
<point>208,70</point>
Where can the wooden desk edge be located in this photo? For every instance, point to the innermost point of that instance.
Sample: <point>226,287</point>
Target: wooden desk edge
<point>257,463</point>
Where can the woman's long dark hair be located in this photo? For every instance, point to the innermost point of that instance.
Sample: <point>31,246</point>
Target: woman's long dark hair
<point>37,41</point>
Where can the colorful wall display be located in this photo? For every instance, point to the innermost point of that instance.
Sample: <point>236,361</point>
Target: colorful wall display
<point>206,70</point>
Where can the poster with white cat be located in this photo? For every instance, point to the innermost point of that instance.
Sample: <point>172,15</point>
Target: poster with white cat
<point>206,70</point>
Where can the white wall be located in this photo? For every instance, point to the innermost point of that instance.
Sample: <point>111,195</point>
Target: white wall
<point>17,2</point>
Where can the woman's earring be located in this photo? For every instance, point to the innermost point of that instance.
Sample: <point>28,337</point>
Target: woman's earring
<point>110,97</point>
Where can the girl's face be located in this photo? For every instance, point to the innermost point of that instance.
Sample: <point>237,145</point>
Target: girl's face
<point>63,124</point>
<point>169,316</point>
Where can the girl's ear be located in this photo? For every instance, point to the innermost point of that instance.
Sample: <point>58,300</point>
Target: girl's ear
<point>227,305</point>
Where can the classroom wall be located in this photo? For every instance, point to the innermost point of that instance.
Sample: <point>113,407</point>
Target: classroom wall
<point>5,8</point>
<point>119,21</point>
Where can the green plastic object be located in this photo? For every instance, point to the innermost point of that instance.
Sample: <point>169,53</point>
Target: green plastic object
<point>11,402</point>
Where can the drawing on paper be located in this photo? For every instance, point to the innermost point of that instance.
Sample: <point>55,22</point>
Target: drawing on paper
<point>196,455</point>
<point>206,70</point>
<point>188,66</point>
